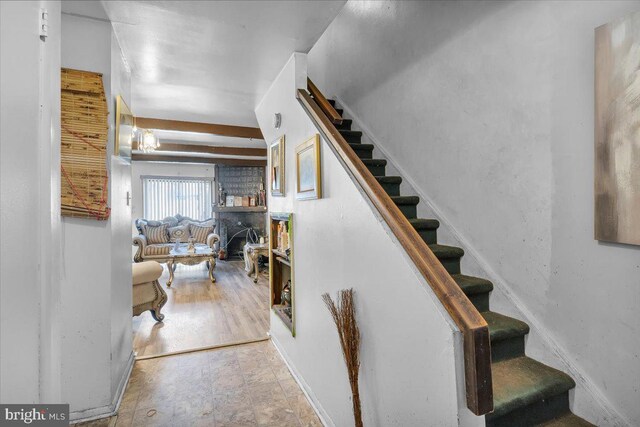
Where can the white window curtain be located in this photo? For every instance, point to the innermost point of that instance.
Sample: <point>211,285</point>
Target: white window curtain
<point>163,197</point>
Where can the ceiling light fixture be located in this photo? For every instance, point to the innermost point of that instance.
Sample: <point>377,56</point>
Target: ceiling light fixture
<point>148,142</point>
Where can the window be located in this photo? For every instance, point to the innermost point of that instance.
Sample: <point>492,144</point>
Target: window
<point>165,196</point>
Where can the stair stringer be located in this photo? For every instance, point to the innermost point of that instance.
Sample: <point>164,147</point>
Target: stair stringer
<point>591,404</point>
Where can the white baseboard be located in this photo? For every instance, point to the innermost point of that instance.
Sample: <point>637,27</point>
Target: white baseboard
<point>559,353</point>
<point>108,410</point>
<point>313,401</point>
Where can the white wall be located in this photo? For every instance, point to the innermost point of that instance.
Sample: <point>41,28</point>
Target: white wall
<point>120,185</point>
<point>29,204</point>
<point>487,107</point>
<point>408,372</point>
<point>97,344</point>
<point>86,291</point>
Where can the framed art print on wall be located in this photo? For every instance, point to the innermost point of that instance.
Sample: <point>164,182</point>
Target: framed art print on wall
<point>125,123</point>
<point>617,131</point>
<point>308,174</point>
<point>276,162</point>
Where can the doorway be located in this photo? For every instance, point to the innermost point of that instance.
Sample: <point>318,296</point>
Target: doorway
<point>198,314</point>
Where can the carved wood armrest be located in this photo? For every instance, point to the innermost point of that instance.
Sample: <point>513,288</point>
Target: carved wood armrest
<point>212,239</point>
<point>140,241</point>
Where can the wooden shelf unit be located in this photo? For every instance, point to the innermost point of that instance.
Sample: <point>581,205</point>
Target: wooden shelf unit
<point>281,270</point>
<point>239,208</point>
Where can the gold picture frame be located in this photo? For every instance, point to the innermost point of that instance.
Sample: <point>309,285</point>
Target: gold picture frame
<point>277,165</point>
<point>308,172</point>
<point>125,122</point>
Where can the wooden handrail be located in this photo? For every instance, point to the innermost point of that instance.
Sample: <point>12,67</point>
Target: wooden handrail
<point>475,331</point>
<point>322,102</point>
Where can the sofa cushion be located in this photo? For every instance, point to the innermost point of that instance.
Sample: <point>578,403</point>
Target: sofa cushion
<point>171,220</point>
<point>141,223</point>
<point>179,233</point>
<point>156,234</point>
<point>206,223</point>
<point>200,233</point>
<point>158,249</point>
<point>146,271</point>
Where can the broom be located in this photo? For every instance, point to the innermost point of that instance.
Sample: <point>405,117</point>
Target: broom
<point>344,316</point>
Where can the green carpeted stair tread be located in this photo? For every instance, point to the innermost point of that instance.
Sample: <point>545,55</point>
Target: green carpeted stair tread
<point>390,184</point>
<point>374,162</point>
<point>389,179</point>
<point>424,224</point>
<point>346,124</point>
<point>476,289</point>
<point>446,252</point>
<point>361,147</point>
<point>503,327</point>
<point>405,200</point>
<point>377,167</point>
<point>471,285</point>
<point>522,381</point>
<point>363,151</point>
<point>348,133</point>
<point>567,420</point>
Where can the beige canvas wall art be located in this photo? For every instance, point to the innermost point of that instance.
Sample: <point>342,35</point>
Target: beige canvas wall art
<point>617,131</point>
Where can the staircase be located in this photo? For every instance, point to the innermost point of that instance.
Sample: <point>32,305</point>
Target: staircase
<point>525,391</point>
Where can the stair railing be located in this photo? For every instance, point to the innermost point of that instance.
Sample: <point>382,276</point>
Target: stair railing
<point>474,328</point>
<point>322,102</point>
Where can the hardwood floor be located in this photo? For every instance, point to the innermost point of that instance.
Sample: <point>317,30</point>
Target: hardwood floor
<point>245,385</point>
<point>200,314</point>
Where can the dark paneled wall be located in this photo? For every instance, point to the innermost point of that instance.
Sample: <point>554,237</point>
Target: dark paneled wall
<point>239,181</point>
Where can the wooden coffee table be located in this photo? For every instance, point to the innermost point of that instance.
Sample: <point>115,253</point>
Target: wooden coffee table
<point>181,256</point>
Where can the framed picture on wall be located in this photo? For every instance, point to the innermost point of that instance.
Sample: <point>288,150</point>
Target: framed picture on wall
<point>276,162</point>
<point>617,135</point>
<point>124,130</point>
<point>308,172</point>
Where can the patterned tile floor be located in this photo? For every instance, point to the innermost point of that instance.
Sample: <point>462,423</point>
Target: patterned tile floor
<point>246,385</point>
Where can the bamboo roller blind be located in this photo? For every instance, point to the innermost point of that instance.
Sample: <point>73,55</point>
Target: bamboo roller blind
<point>84,134</point>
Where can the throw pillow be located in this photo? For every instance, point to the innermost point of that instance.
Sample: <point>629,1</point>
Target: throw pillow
<point>156,234</point>
<point>171,220</point>
<point>200,233</point>
<point>179,234</point>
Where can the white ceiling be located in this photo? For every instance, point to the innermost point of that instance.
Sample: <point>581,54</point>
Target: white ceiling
<point>211,61</point>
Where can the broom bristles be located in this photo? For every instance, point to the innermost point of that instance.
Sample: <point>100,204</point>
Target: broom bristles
<point>344,316</point>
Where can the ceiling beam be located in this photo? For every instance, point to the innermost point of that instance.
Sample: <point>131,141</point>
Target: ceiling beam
<point>211,128</point>
<point>195,159</point>
<point>194,148</point>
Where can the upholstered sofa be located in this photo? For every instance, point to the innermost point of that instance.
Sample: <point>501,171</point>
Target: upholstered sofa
<point>157,238</point>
